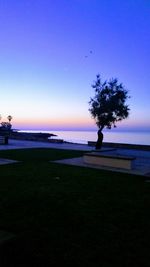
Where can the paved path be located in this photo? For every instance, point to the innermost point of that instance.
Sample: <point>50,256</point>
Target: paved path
<point>141,166</point>
<point>21,144</point>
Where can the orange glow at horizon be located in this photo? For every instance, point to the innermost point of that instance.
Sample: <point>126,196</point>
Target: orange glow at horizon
<point>52,123</point>
<point>70,123</point>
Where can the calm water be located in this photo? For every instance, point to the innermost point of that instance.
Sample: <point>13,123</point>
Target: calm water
<point>81,137</point>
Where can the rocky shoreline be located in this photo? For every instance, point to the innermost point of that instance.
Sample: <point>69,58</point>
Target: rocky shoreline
<point>31,136</point>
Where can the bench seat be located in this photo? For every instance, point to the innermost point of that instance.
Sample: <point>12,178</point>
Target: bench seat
<point>2,140</point>
<point>109,160</point>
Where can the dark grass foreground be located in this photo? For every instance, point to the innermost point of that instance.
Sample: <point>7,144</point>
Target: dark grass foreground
<point>71,216</point>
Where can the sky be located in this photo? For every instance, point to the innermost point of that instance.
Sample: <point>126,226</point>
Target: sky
<point>51,52</point>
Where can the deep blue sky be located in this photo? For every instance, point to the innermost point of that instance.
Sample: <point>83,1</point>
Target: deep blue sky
<point>47,68</point>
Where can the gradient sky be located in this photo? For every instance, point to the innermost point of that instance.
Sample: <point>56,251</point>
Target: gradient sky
<point>46,67</point>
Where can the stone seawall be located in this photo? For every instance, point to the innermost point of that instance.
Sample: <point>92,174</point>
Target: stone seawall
<point>122,145</point>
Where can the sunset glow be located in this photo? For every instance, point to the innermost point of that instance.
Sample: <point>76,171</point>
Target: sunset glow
<point>51,52</point>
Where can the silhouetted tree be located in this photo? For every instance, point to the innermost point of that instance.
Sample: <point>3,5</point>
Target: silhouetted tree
<point>108,105</point>
<point>5,127</point>
<point>9,118</point>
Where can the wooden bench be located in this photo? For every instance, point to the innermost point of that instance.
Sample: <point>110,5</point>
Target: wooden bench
<point>109,160</point>
<point>2,140</point>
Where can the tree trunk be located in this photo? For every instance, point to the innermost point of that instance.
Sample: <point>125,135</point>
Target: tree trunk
<point>99,140</point>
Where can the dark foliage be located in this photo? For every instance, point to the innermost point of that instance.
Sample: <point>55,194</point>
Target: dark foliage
<point>108,105</point>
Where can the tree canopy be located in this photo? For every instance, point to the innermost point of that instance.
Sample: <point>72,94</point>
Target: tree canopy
<point>4,125</point>
<point>108,106</point>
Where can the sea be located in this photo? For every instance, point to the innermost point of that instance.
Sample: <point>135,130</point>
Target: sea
<point>82,137</point>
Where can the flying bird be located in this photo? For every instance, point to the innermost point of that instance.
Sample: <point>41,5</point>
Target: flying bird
<point>90,52</point>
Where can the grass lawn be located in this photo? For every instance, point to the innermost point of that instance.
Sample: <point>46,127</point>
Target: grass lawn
<point>71,216</point>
